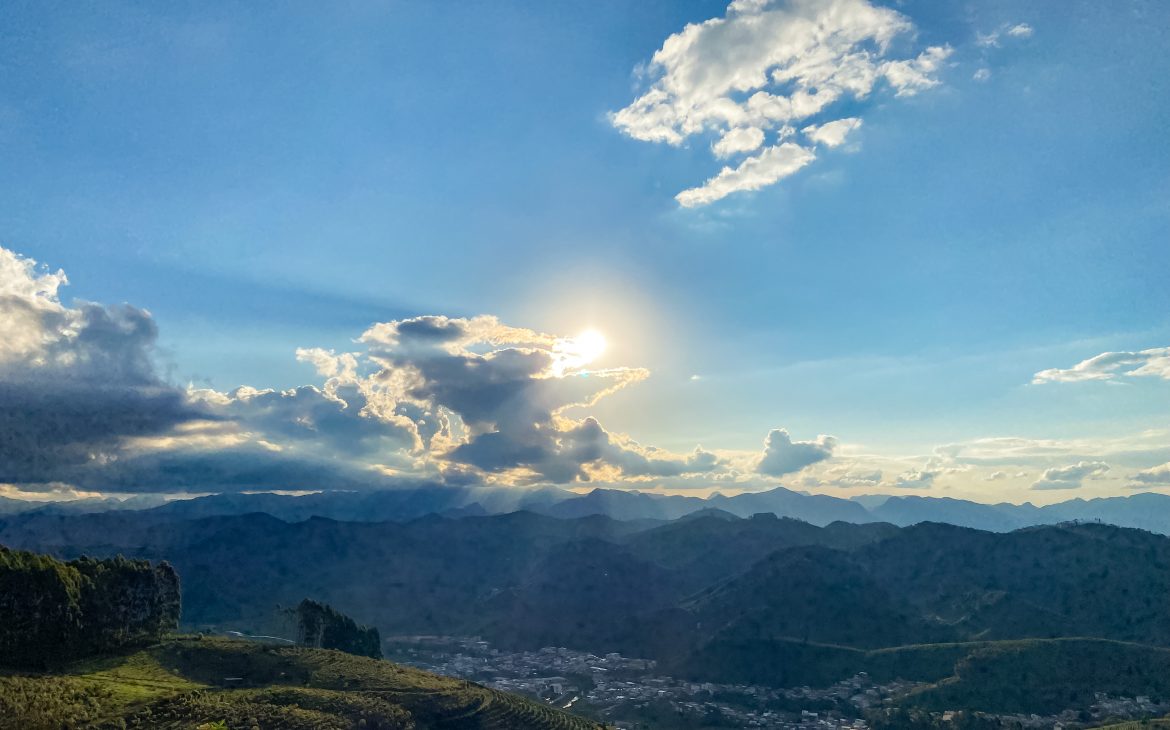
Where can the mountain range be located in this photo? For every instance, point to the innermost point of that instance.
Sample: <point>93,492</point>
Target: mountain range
<point>1145,510</point>
<point>710,595</point>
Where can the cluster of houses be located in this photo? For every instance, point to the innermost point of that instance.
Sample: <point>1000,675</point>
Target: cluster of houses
<point>620,689</point>
<point>623,691</point>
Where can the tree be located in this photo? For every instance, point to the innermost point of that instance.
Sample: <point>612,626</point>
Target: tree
<point>322,626</point>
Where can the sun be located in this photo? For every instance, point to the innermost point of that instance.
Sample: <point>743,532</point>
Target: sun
<point>589,345</point>
<point>574,353</point>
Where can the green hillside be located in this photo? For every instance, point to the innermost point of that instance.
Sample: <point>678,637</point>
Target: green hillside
<point>1048,676</point>
<point>192,682</point>
<point>1021,676</point>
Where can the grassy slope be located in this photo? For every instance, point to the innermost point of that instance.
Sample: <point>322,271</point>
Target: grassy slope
<point>180,684</point>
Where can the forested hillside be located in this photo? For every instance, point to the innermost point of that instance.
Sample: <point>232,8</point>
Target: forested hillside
<point>52,611</point>
<point>692,593</point>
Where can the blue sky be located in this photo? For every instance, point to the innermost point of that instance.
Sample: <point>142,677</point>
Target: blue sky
<point>263,180</point>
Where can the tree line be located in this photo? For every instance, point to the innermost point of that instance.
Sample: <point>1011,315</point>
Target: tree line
<point>53,611</point>
<point>320,625</point>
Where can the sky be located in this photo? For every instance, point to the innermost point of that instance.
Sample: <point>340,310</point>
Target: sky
<point>842,246</point>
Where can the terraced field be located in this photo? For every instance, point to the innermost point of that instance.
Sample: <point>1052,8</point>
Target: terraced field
<point>193,682</point>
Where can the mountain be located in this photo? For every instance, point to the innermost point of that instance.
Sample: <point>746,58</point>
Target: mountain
<point>434,574</point>
<point>370,506</point>
<point>1027,677</point>
<point>818,509</point>
<point>711,596</point>
<point>625,505</point>
<point>1148,511</point>
<point>910,510</point>
<point>1070,580</point>
<point>1145,511</point>
<point>621,504</point>
<point>582,593</point>
<point>812,594</point>
<point>804,614</point>
<point>10,506</point>
<point>594,583</point>
<point>709,548</point>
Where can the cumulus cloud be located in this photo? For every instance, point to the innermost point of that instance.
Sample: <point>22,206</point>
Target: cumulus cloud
<point>587,444</point>
<point>831,134</point>
<point>1157,476</point>
<point>1154,363</point>
<point>782,455</point>
<point>1070,477</point>
<point>762,68</point>
<point>915,479</point>
<point>338,417</point>
<point>424,399</point>
<point>74,381</point>
<point>740,139</point>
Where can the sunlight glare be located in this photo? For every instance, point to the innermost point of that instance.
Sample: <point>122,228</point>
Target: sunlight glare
<point>577,352</point>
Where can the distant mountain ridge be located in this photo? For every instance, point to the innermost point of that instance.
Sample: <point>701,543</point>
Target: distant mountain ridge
<point>1145,510</point>
<point>711,596</point>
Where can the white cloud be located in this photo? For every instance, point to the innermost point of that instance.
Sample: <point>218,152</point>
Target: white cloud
<point>1070,477</point>
<point>782,455</point>
<point>831,134</point>
<point>1154,362</point>
<point>737,140</point>
<point>916,479</point>
<point>753,173</point>
<point>846,476</point>
<point>982,74</point>
<point>1008,452</point>
<point>910,76</point>
<point>1020,30</point>
<point>1154,476</point>
<point>763,66</point>
<point>992,39</point>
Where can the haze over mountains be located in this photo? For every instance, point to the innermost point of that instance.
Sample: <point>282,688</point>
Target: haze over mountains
<point>1146,510</point>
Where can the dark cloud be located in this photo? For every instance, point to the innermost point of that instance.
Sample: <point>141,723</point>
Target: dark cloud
<point>450,400</point>
<point>340,419</point>
<point>54,434</point>
<point>74,381</point>
<point>510,399</point>
<point>227,470</point>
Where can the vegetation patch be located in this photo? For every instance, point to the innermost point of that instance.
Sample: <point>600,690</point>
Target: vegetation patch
<point>225,684</point>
